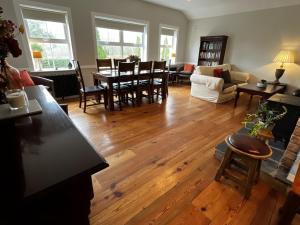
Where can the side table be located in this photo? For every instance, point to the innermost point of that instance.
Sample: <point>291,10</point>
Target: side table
<point>265,93</point>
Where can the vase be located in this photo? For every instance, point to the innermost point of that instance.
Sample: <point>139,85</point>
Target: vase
<point>9,79</point>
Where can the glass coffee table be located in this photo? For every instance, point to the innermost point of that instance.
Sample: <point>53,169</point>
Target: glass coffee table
<point>265,92</point>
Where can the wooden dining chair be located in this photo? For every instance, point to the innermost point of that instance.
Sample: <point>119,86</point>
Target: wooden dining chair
<point>116,62</point>
<point>125,84</point>
<point>143,82</point>
<point>102,64</point>
<point>157,83</point>
<point>85,92</point>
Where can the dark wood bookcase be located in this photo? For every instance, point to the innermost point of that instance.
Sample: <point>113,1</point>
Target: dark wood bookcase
<point>212,50</point>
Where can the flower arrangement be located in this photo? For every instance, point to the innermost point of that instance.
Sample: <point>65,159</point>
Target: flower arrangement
<point>9,77</point>
<point>263,118</point>
<point>8,43</point>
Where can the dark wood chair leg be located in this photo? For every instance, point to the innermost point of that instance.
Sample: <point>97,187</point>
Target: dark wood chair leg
<point>251,177</point>
<point>80,100</point>
<point>257,171</point>
<point>105,99</point>
<point>132,98</point>
<point>84,103</point>
<point>225,162</point>
<point>120,101</point>
<point>149,96</point>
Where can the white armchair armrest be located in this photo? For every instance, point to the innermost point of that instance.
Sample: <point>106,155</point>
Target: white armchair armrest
<point>212,83</point>
<point>240,76</point>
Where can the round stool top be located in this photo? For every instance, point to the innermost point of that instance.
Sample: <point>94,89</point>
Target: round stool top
<point>249,146</point>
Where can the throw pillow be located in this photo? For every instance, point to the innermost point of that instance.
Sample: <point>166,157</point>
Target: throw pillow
<point>218,72</point>
<point>226,76</point>
<point>26,79</point>
<point>188,68</point>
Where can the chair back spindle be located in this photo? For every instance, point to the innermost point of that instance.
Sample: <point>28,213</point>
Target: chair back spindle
<point>79,75</point>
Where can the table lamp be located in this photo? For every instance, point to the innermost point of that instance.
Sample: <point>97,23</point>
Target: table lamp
<point>282,57</point>
<point>37,55</point>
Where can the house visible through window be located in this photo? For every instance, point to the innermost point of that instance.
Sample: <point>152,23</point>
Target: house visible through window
<point>115,39</point>
<point>48,33</point>
<point>168,40</point>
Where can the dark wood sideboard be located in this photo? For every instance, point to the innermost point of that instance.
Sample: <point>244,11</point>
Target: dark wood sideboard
<point>45,167</point>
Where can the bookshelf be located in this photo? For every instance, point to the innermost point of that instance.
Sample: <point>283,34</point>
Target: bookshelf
<point>212,50</point>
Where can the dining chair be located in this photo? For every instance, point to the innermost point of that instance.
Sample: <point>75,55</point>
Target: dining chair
<point>116,62</point>
<point>125,83</point>
<point>157,83</point>
<point>85,92</point>
<point>143,82</point>
<point>102,64</point>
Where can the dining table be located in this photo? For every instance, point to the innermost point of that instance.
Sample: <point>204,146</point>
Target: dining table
<point>112,77</point>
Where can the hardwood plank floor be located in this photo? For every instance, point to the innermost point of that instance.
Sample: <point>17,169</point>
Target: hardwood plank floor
<point>162,164</point>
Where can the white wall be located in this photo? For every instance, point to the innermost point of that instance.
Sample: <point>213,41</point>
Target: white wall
<point>82,23</point>
<point>254,40</point>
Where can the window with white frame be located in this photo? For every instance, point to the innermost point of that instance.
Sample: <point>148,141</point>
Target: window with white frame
<point>168,41</point>
<point>48,35</point>
<point>117,39</point>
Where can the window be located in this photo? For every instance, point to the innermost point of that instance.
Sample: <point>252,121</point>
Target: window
<point>168,41</point>
<point>116,39</point>
<point>48,33</point>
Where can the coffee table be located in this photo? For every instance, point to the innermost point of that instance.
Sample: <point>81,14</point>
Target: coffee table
<point>265,93</point>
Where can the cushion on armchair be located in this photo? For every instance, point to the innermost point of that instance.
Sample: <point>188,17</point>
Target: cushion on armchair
<point>189,68</point>
<point>26,79</point>
<point>225,74</point>
<point>218,72</point>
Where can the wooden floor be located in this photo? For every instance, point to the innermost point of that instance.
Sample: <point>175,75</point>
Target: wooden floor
<point>162,165</point>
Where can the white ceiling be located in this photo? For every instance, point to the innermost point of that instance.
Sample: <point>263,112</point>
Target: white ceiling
<point>195,9</point>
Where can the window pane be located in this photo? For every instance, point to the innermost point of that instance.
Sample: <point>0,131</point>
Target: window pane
<point>166,40</point>
<point>133,37</point>
<point>165,53</point>
<point>127,51</point>
<point>107,35</point>
<point>46,29</point>
<point>53,55</point>
<point>107,51</point>
<point>60,51</point>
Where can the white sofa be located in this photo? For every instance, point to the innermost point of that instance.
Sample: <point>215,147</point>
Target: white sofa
<point>207,87</point>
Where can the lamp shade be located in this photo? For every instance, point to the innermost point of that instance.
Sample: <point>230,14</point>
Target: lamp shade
<point>37,54</point>
<point>173,55</point>
<point>284,57</point>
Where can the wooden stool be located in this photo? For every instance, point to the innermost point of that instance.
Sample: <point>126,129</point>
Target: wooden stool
<point>249,151</point>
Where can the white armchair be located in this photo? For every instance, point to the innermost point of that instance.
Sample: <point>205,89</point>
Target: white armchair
<point>207,87</point>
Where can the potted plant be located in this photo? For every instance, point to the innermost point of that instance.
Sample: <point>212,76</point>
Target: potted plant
<point>263,119</point>
<point>133,58</point>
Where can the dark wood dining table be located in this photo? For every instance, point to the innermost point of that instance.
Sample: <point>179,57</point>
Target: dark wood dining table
<point>112,77</point>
